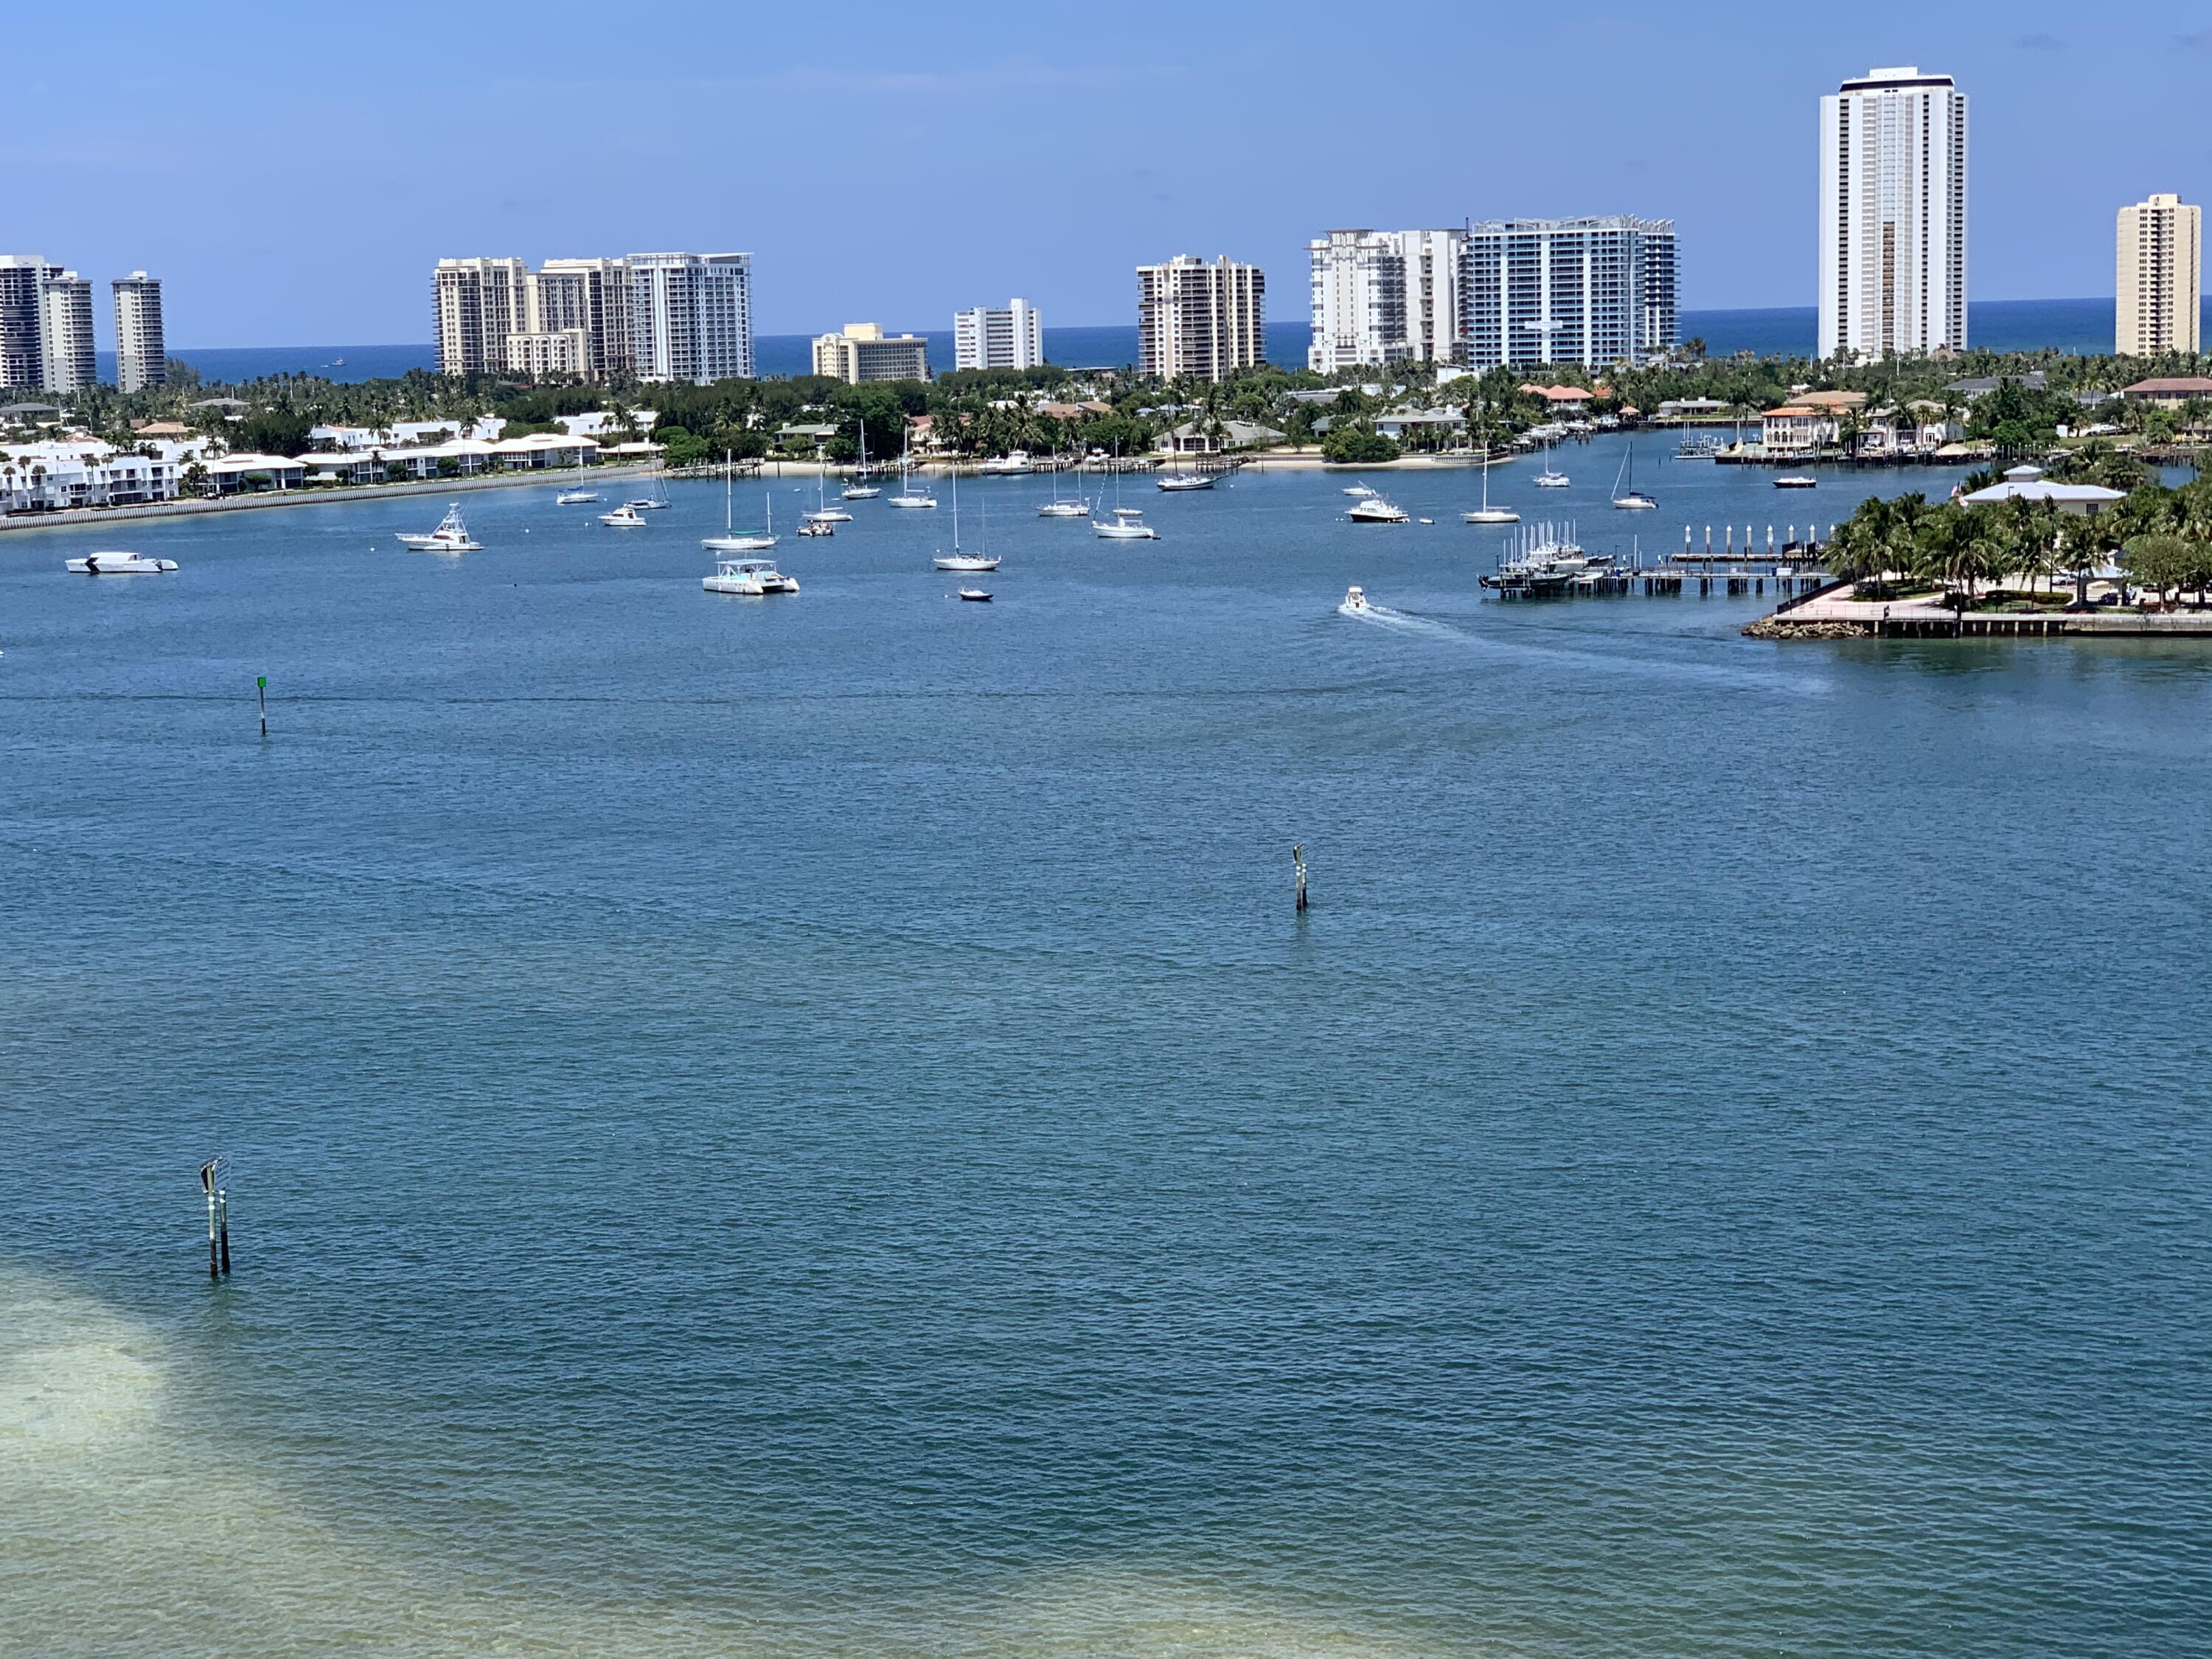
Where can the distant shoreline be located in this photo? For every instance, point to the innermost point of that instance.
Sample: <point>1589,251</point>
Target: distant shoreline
<point>69,517</point>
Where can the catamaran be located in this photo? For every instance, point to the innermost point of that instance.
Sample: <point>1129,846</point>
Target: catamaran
<point>860,489</point>
<point>451,536</point>
<point>748,578</point>
<point>1631,499</point>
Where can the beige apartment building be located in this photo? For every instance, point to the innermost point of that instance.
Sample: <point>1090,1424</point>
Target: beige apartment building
<point>1201,320</point>
<point>865,352</point>
<point>2160,278</point>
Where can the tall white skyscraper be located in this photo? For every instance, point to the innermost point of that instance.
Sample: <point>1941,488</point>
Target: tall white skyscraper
<point>67,303</point>
<point>1207,320</point>
<point>1894,215</point>
<point>1384,296</point>
<point>691,316</point>
<point>479,303</point>
<point>2160,272</point>
<point>589,295</point>
<point>142,351</point>
<point>1596,291</point>
<point>990,336</point>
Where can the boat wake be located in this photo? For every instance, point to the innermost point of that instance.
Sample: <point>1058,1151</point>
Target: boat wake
<point>1382,616</point>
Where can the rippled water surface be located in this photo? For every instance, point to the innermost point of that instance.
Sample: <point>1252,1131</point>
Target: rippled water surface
<point>809,1127</point>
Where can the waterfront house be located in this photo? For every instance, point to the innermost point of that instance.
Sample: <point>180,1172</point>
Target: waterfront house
<point>1797,429</point>
<point>1192,438</point>
<point>349,466</point>
<point>2173,392</point>
<point>55,475</point>
<point>1414,425</point>
<point>2028,483</point>
<point>234,475</point>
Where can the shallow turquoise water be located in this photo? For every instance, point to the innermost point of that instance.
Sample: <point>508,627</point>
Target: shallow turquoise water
<point>809,1126</point>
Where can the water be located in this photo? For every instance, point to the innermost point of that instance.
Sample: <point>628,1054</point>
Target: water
<point>2082,326</point>
<point>808,1127</point>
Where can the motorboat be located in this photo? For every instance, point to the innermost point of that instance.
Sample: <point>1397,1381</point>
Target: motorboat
<point>859,489</point>
<point>977,595</point>
<point>1796,481</point>
<point>624,517</point>
<point>1360,491</point>
<point>732,540</point>
<point>1375,510</point>
<point>115,562</point>
<point>1183,481</point>
<point>1355,599</point>
<point>1486,513</point>
<point>1017,461</point>
<point>817,528</point>
<point>1625,495</point>
<point>1127,525</point>
<point>748,578</point>
<point>452,536</point>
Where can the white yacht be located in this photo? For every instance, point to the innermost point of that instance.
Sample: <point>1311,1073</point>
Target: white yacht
<point>1127,525</point>
<point>977,595</point>
<point>116,563</point>
<point>1486,513</point>
<point>732,540</point>
<point>451,536</point>
<point>1361,490</point>
<point>814,526</point>
<point>1375,510</point>
<point>748,578</point>
<point>1796,481</point>
<point>1183,481</point>
<point>624,517</point>
<point>1355,599</point>
<point>1629,498</point>
<point>860,488</point>
<point>1017,461</point>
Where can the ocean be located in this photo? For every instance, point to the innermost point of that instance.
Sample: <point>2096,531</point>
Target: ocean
<point>2077,326</point>
<point>809,1127</point>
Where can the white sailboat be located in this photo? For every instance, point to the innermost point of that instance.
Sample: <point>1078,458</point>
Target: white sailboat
<point>860,489</point>
<point>1128,523</point>
<point>823,513</point>
<point>956,560</point>
<point>1486,513</point>
<point>1058,508</point>
<point>579,495</point>
<point>730,541</point>
<point>1551,477</point>
<point>907,496</point>
<point>1631,499</point>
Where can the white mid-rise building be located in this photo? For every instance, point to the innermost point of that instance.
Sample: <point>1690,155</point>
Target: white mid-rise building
<point>1893,215</point>
<point>2160,279</point>
<point>142,350</point>
<point>1384,296</point>
<point>1199,319</point>
<point>66,302</point>
<point>479,303</point>
<point>541,352</point>
<point>992,337</point>
<point>1595,291</point>
<point>691,316</point>
<point>864,352</point>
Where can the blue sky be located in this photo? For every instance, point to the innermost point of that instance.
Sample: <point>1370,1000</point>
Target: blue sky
<point>895,162</point>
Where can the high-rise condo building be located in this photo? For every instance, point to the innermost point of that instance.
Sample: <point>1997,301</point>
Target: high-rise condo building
<point>1596,291</point>
<point>592,295</point>
<point>67,302</point>
<point>865,352</point>
<point>2162,279</point>
<point>142,351</point>
<point>480,302</point>
<point>23,321</point>
<point>987,337</point>
<point>1384,296</point>
<point>691,316</point>
<point>1894,215</point>
<point>1202,319</point>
